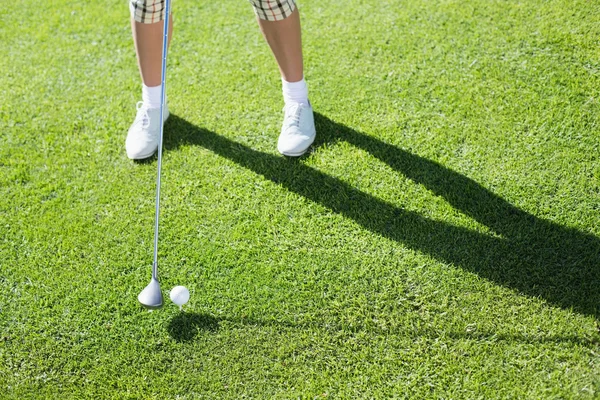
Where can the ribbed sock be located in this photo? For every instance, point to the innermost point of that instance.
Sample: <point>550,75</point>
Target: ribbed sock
<point>151,96</point>
<point>295,92</point>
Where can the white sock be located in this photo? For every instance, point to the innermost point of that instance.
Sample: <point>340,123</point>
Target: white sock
<point>295,92</point>
<point>151,96</point>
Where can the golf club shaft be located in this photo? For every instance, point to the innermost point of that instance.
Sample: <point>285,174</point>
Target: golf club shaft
<point>163,94</point>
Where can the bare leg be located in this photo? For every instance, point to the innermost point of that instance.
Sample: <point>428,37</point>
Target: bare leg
<point>143,135</point>
<point>148,39</point>
<point>284,38</point>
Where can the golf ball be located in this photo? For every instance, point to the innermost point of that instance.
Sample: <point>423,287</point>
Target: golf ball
<point>179,295</point>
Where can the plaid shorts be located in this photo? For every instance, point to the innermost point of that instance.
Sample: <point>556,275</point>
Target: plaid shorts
<point>150,11</point>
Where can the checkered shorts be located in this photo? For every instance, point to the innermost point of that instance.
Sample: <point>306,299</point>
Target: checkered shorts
<point>150,11</point>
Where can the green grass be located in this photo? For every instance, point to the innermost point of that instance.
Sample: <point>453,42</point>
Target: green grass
<point>441,239</point>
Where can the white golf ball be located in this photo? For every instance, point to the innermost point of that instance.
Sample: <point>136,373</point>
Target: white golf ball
<point>179,295</point>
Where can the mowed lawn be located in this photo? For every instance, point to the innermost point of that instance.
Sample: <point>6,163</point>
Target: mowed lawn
<point>441,240</point>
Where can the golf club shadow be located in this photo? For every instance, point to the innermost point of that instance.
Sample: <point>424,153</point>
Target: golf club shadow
<point>185,326</point>
<point>531,255</point>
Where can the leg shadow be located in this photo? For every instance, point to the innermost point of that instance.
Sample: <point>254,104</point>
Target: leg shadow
<point>534,256</point>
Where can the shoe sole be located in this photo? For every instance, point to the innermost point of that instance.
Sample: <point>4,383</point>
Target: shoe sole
<point>143,157</point>
<point>293,154</point>
<point>288,154</point>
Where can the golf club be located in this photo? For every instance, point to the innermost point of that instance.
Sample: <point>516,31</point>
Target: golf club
<point>151,297</point>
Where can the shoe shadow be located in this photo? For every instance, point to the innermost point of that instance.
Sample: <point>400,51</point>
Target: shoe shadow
<point>534,256</point>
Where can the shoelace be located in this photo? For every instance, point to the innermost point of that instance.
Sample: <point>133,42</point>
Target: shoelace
<point>292,114</point>
<point>145,117</point>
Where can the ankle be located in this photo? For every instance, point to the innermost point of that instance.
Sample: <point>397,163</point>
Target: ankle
<point>151,96</point>
<point>294,92</point>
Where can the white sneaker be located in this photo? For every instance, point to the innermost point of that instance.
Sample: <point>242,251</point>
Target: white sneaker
<point>143,135</point>
<point>298,130</point>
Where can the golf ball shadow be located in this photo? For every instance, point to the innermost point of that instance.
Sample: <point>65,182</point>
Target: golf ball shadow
<point>185,326</point>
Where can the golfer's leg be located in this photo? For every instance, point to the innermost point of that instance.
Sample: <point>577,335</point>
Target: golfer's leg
<point>279,21</point>
<point>284,38</point>
<point>148,39</point>
<point>147,22</point>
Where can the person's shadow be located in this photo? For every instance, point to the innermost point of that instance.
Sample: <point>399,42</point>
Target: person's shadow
<point>534,256</point>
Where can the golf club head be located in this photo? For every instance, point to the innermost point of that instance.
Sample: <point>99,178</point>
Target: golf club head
<point>151,297</point>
